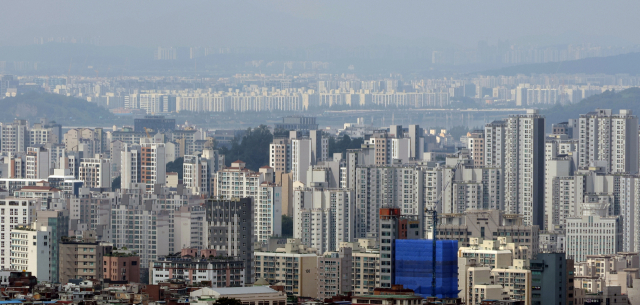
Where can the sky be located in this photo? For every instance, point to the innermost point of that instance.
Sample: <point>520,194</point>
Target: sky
<point>302,23</point>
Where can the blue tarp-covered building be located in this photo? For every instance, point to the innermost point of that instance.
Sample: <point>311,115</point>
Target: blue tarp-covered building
<point>414,267</point>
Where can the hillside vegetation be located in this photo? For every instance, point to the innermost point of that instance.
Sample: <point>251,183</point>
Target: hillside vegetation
<point>63,109</point>
<point>619,64</point>
<point>626,99</point>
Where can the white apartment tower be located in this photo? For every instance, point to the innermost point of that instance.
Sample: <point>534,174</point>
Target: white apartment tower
<point>144,163</point>
<point>518,144</point>
<point>238,181</point>
<point>301,158</point>
<point>31,251</point>
<point>95,172</point>
<point>152,164</point>
<point>37,163</point>
<point>611,138</point>
<point>198,171</point>
<point>324,218</point>
<point>14,136</point>
<point>196,174</point>
<point>130,165</point>
<point>14,212</point>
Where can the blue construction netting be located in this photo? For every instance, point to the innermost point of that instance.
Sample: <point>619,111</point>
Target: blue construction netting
<point>414,267</point>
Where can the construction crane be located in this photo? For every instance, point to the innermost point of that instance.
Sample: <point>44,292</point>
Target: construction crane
<point>146,130</point>
<point>434,225</point>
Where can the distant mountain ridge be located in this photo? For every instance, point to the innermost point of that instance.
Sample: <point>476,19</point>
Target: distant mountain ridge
<point>626,99</point>
<point>63,109</point>
<point>620,64</point>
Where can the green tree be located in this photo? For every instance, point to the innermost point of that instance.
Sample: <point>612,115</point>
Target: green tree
<point>115,184</point>
<point>287,226</point>
<point>227,301</point>
<point>253,148</point>
<point>341,144</point>
<point>176,166</point>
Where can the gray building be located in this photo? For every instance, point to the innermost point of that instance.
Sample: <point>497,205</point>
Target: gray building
<point>298,123</point>
<point>230,230</point>
<point>552,280</point>
<point>58,221</point>
<point>154,123</point>
<point>489,225</point>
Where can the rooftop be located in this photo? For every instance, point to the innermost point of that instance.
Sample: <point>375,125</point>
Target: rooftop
<point>388,296</point>
<point>243,290</point>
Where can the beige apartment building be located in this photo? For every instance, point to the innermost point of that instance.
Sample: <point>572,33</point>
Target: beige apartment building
<point>295,267</point>
<point>82,258</point>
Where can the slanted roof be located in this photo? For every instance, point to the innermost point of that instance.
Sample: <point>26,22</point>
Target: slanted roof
<point>40,188</point>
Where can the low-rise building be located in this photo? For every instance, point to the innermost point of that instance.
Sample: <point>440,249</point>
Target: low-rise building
<point>215,271</point>
<point>247,295</point>
<point>389,296</point>
<point>598,272</point>
<point>492,270</point>
<point>122,265</point>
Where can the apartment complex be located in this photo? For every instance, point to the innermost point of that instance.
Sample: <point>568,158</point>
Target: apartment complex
<point>82,258</point>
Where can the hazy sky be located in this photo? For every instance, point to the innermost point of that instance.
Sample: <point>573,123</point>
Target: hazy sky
<point>307,23</point>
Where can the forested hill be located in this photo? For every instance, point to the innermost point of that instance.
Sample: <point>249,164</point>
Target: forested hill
<point>69,111</point>
<point>619,64</point>
<point>627,99</point>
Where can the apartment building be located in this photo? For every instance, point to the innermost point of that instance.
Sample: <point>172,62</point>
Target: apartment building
<point>95,172</point>
<point>593,233</point>
<point>14,136</point>
<point>484,283</point>
<point>31,250</point>
<point>229,225</point>
<point>238,181</point>
<point>610,138</point>
<point>199,171</point>
<point>82,258</point>
<point>37,163</point>
<point>490,225</point>
<point>334,273</point>
<point>323,218</point>
<point>552,277</point>
<point>139,230</point>
<point>475,144</point>
<point>190,227</point>
<point>365,257</point>
<point>598,273</point>
<point>295,266</point>
<point>122,265</point>
<point>227,272</point>
<point>14,212</point>
<point>393,226</point>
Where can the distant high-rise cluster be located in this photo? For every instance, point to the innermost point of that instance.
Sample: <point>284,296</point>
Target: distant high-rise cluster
<point>509,206</point>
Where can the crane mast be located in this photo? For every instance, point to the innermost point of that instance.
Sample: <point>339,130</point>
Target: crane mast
<point>434,225</point>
